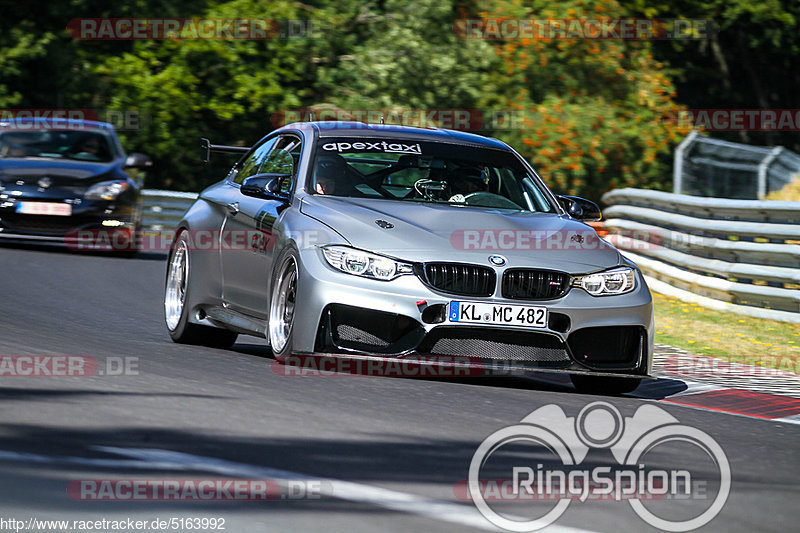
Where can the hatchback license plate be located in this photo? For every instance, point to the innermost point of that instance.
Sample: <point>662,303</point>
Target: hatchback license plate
<point>484,313</point>
<point>44,208</point>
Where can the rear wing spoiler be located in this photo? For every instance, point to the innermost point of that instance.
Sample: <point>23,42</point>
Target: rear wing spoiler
<point>207,148</point>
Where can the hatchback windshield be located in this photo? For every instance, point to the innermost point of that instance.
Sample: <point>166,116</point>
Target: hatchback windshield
<point>53,144</point>
<point>433,172</point>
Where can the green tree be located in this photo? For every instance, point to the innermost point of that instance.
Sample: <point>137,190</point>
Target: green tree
<point>751,61</point>
<point>401,55</point>
<point>191,88</point>
<point>598,114</point>
<point>590,114</point>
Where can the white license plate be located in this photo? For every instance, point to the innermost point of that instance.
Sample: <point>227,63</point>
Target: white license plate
<point>484,313</point>
<point>44,208</point>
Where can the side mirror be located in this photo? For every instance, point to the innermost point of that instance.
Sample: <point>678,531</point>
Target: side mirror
<point>139,161</point>
<point>580,208</point>
<point>266,186</point>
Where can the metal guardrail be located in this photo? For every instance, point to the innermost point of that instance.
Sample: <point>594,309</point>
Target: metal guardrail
<point>717,168</point>
<point>743,255</point>
<point>716,208</point>
<point>164,209</point>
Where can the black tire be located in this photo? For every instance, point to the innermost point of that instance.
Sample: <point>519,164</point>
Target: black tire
<point>128,254</point>
<point>603,385</point>
<point>288,257</point>
<point>185,332</point>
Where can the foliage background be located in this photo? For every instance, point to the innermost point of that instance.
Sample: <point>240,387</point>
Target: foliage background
<point>598,114</point>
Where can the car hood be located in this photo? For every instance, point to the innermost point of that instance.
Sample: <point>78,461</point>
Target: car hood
<point>429,232</point>
<point>63,169</point>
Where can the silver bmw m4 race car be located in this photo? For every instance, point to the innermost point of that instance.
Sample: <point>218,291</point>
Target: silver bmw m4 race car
<point>376,241</point>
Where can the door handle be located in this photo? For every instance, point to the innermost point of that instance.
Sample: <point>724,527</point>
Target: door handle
<point>233,208</point>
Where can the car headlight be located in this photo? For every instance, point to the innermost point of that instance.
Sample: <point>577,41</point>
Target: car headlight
<point>616,281</point>
<point>106,190</point>
<point>365,264</point>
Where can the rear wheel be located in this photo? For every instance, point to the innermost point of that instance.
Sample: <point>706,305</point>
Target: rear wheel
<point>176,312</point>
<point>603,385</point>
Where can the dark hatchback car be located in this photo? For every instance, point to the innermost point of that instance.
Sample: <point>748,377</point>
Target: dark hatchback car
<point>63,181</point>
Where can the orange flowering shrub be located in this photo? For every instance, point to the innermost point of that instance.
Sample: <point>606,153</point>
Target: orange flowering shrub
<point>596,113</point>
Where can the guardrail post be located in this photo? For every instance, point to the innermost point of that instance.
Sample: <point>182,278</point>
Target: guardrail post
<point>677,176</point>
<point>763,167</point>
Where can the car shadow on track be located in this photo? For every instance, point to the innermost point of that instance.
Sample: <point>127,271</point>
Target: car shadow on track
<point>258,350</point>
<point>62,249</point>
<point>393,458</point>
<point>659,388</point>
<point>28,394</point>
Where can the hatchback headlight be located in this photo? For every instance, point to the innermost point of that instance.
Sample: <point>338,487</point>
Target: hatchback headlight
<point>365,264</point>
<point>616,281</point>
<point>106,190</point>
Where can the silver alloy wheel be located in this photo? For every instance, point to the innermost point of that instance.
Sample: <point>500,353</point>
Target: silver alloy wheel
<point>284,298</point>
<point>175,292</point>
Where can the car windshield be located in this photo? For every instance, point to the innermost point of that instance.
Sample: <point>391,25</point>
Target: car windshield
<point>433,172</point>
<point>53,144</point>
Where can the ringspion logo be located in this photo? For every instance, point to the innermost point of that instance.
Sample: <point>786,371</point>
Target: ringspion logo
<point>549,461</point>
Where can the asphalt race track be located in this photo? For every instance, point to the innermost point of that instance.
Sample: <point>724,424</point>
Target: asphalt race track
<point>342,453</point>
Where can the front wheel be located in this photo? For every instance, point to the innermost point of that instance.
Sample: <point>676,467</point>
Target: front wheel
<point>283,304</point>
<point>176,312</point>
<point>603,385</point>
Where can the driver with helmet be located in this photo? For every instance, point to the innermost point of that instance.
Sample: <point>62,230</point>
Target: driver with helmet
<point>466,181</point>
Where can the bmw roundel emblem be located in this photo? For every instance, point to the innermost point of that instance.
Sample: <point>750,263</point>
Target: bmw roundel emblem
<point>497,260</point>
